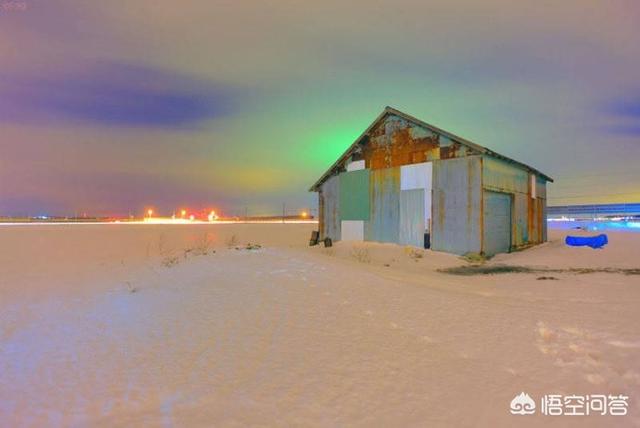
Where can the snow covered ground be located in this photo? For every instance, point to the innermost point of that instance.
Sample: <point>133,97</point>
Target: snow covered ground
<point>171,325</point>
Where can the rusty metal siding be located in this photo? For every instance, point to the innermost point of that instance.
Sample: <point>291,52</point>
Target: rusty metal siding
<point>540,220</point>
<point>520,221</point>
<point>457,205</point>
<point>541,185</point>
<point>331,208</point>
<point>544,219</point>
<point>384,217</point>
<point>535,234</point>
<point>397,141</point>
<point>541,191</point>
<point>412,217</point>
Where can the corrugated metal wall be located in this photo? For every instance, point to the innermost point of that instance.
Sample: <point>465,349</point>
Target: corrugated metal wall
<point>496,222</point>
<point>384,220</point>
<point>529,218</point>
<point>503,177</point>
<point>331,208</point>
<point>457,193</point>
<point>544,220</point>
<point>412,217</point>
<point>541,193</point>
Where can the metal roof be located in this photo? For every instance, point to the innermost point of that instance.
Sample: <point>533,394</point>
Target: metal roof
<point>391,111</point>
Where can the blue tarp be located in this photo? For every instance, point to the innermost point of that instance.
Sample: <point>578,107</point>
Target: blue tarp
<point>589,241</point>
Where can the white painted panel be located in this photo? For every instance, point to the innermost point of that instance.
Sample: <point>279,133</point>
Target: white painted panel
<point>352,230</point>
<point>532,177</point>
<point>419,176</point>
<point>416,176</point>
<point>355,165</point>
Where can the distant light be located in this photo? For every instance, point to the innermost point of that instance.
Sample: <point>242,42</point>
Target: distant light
<point>149,212</point>
<point>212,216</point>
<point>191,217</point>
<point>183,213</point>
<point>304,214</point>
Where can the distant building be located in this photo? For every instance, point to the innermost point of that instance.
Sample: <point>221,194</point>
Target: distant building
<point>595,211</point>
<point>403,178</point>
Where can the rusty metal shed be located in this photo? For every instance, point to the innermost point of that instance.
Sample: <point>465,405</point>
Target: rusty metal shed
<point>403,179</point>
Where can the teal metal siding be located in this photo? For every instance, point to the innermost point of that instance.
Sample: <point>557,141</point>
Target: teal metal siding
<point>497,223</point>
<point>354,195</point>
<point>412,217</point>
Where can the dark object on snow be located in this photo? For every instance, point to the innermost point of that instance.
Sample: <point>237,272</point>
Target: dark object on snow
<point>589,241</point>
<point>315,237</point>
<point>327,242</point>
<point>427,240</point>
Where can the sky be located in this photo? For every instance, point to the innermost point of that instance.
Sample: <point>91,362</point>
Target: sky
<point>110,107</point>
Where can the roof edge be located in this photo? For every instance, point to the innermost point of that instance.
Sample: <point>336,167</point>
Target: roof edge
<point>390,110</point>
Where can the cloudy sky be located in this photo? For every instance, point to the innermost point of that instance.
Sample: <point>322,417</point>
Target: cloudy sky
<point>107,107</point>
